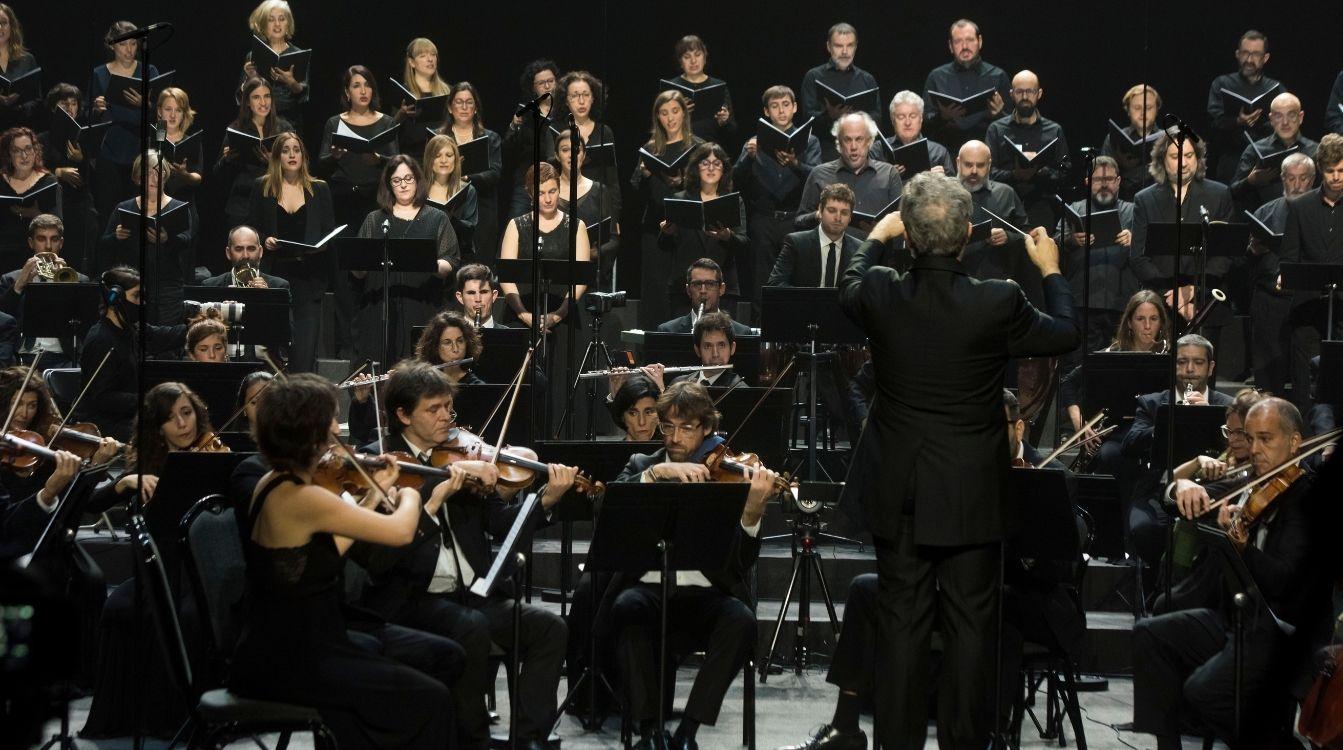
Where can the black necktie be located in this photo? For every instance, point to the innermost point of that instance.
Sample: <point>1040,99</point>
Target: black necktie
<point>830,263</point>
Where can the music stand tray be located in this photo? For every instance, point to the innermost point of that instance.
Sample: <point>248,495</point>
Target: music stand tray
<point>1196,429</point>
<point>1114,380</point>
<point>215,382</point>
<point>265,316</point>
<point>474,402</point>
<point>60,310</point>
<point>1043,497</point>
<point>787,314</point>
<point>407,254</point>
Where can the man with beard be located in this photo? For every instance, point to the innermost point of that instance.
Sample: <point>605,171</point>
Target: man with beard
<point>1247,82</point>
<point>1002,254</point>
<point>875,183</point>
<point>1257,183</point>
<point>840,74</point>
<point>1112,283</point>
<point>1026,135</point>
<point>965,75</point>
<point>1270,306</point>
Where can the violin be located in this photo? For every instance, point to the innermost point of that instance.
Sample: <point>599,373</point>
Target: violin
<point>20,458</point>
<point>518,467</point>
<point>727,465</point>
<point>209,442</point>
<point>80,438</point>
<point>1259,503</point>
<point>336,472</point>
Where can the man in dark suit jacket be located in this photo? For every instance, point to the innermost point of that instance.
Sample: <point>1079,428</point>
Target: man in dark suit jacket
<point>46,234</point>
<point>937,510</point>
<point>1184,662</point>
<point>713,606</point>
<point>715,343</point>
<point>816,257</point>
<point>424,585</point>
<point>704,286</point>
<point>244,245</point>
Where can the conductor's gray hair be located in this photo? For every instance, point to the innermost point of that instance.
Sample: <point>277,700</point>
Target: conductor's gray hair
<point>936,211</point>
<point>872,130</point>
<point>905,97</point>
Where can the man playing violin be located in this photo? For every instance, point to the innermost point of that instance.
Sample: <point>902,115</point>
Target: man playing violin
<point>1183,669</point>
<point>424,585</point>
<point>715,608</point>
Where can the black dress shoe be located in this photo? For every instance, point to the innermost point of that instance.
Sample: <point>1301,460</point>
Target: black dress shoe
<point>829,738</point>
<point>659,741</point>
<point>683,743</point>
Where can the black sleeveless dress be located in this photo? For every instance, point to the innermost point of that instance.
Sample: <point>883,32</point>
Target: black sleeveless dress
<point>294,649</point>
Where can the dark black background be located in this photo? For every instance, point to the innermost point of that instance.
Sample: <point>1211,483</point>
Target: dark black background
<point>1086,54</point>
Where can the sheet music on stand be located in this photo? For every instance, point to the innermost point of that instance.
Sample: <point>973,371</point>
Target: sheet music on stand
<point>504,560</point>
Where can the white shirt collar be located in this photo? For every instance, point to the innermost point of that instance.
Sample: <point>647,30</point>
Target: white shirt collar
<point>419,453</point>
<point>825,240</point>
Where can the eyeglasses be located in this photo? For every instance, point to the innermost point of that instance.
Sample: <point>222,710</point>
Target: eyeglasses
<point>1280,116</point>
<point>27,150</point>
<point>711,164</point>
<point>464,103</point>
<point>579,95</point>
<point>1025,92</point>
<point>703,284</point>
<point>399,181</point>
<point>670,429</point>
<point>1228,433</point>
<point>451,344</point>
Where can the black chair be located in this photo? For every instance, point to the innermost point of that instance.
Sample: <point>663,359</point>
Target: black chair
<point>217,717</point>
<point>63,384</point>
<point>211,551</point>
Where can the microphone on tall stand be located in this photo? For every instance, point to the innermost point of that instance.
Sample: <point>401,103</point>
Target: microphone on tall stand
<point>1172,122</point>
<point>531,106</point>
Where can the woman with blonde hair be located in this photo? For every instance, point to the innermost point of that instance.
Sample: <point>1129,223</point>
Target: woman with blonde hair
<point>188,159</point>
<point>273,23</point>
<point>420,78</point>
<point>16,61</point>
<point>670,137</point>
<point>442,167</point>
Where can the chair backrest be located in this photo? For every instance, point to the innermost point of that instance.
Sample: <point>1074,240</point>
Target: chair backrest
<point>212,551</point>
<point>154,580</point>
<point>63,383</point>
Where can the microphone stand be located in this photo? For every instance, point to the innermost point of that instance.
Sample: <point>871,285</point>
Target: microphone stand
<point>1181,137</point>
<point>536,405</point>
<point>386,297</point>
<point>574,178</point>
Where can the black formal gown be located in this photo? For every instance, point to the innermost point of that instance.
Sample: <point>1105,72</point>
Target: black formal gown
<point>163,273</point>
<point>294,649</point>
<point>654,264</point>
<point>14,229</point>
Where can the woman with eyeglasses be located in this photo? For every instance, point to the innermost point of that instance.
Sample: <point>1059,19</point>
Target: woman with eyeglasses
<point>414,296</point>
<point>23,172</point>
<point>707,176</point>
<point>539,77</point>
<point>581,94</point>
<point>464,126</point>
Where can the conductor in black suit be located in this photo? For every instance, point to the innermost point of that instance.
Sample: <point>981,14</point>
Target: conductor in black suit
<point>715,608</point>
<point>938,511</point>
<point>816,257</point>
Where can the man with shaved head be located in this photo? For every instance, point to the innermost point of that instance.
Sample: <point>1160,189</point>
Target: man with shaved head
<point>1184,661</point>
<point>966,75</point>
<point>1258,181</point>
<point>999,254</point>
<point>1028,149</point>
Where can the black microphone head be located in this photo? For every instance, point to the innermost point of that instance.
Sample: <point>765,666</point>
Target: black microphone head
<point>1171,120</point>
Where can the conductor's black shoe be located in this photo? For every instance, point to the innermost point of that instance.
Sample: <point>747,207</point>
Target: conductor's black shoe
<point>829,738</point>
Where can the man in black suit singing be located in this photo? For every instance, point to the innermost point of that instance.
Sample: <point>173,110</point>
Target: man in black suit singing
<point>937,512</point>
<point>816,257</point>
<point>713,607</point>
<point>425,585</point>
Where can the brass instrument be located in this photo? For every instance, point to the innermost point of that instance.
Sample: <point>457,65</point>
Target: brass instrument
<point>244,273</point>
<point>53,267</point>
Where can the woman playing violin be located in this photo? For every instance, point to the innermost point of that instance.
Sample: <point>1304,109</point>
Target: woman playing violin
<point>178,418</point>
<point>36,413</point>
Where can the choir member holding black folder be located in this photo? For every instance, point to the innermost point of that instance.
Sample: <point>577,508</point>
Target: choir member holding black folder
<point>114,93</point>
<point>1131,144</point>
<point>170,225</point>
<point>539,77</point>
<point>247,143</point>
<point>1238,103</point>
<point>26,190</point>
<point>596,203</point>
<point>908,150</point>
<point>449,191</point>
<point>70,158</point>
<point>481,151</point>
<point>352,168</point>
<point>20,78</point>
<point>705,220</point>
<point>1258,179</point>
<point>295,216</point>
<point>966,94</point>
<point>660,173</point>
<point>711,115</point>
<point>421,96</point>
<point>581,95</point>
<point>1028,150</point>
<point>826,86</point>
<point>181,145</point>
<point>273,59</point>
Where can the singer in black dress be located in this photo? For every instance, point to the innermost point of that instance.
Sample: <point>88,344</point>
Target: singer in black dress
<point>464,125</point>
<point>414,296</point>
<point>293,646</point>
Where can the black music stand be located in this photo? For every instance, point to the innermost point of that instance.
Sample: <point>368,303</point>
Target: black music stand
<point>473,404</point>
<point>382,254</point>
<point>1321,278</point>
<point>215,382</point>
<point>678,349</point>
<point>668,527</point>
<point>1114,380</point>
<point>1200,242</point>
<point>1098,496</point>
<point>766,433</point>
<point>61,311</point>
<point>266,318</point>
<point>807,315</point>
<point>1329,382</point>
<point>186,478</point>
<point>1196,428</point>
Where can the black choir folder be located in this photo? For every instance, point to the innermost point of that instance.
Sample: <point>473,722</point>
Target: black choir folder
<point>45,193</point>
<point>295,250</point>
<point>913,156</point>
<point>346,138</point>
<point>876,215</point>
<point>657,165</point>
<point>688,213</point>
<point>1121,138</point>
<point>708,98</point>
<point>119,85</point>
<point>1104,223</point>
<point>174,220</point>
<point>266,59</point>
<point>973,103</point>
<point>1233,102</point>
<point>769,139</point>
<point>451,203</point>
<point>66,129</point>
<point>1271,158</point>
<point>1043,155</point>
<point>245,143</point>
<point>1261,231</point>
<point>177,152</point>
<point>433,108</point>
<point>858,101</point>
<point>25,85</point>
<point>475,155</point>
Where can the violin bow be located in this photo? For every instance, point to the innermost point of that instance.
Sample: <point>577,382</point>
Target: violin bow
<point>70,413</point>
<point>778,379</point>
<point>377,410</point>
<point>515,387</point>
<point>517,380</point>
<point>18,395</point>
<point>279,371</point>
<point>730,389</point>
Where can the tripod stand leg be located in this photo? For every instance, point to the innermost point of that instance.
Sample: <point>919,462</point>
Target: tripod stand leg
<point>825,592</point>
<point>778,623</point>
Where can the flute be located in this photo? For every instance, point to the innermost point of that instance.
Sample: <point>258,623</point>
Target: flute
<point>384,376</point>
<point>665,371</point>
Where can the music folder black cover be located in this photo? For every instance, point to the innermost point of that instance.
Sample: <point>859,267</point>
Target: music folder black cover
<point>1271,158</point>
<point>475,155</point>
<point>66,129</point>
<point>973,103</point>
<point>292,249</point>
<point>247,143</point>
<point>346,138</point>
<point>1261,231</point>
<point>25,85</point>
<point>876,216</point>
<point>597,230</point>
<point>172,220</point>
<point>451,203</point>
<point>1233,102</point>
<point>1042,155</point>
<point>31,197</point>
<point>433,108</point>
<point>176,152</point>
<point>913,156</point>
<point>688,213</point>
<point>264,59</point>
<point>979,232</point>
<point>1104,223</point>
<point>708,98</point>
<point>657,165</point>
<point>119,85</point>
<point>859,101</point>
<point>769,139</point>
<point>1121,138</point>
